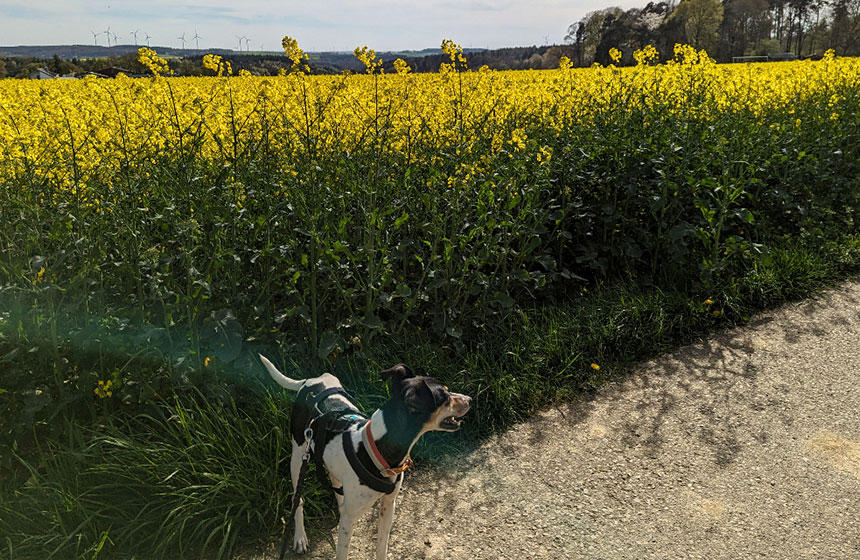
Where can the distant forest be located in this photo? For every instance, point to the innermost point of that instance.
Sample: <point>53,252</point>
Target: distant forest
<point>725,28</point>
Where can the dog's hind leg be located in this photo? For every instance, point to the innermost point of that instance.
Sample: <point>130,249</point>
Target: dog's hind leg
<point>386,520</point>
<point>300,538</point>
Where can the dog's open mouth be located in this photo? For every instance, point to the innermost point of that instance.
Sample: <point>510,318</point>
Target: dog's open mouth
<point>451,423</point>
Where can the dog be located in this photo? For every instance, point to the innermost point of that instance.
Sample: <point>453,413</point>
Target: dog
<point>359,453</point>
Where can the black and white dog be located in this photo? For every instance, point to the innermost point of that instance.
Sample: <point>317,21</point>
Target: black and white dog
<point>365,459</point>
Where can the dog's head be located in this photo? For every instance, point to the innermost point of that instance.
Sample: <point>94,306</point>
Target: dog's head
<point>425,400</point>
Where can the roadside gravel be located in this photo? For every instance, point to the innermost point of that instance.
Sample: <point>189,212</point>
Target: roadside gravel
<point>745,445</point>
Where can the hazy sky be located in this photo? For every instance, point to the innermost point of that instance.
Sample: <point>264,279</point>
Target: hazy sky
<point>319,25</point>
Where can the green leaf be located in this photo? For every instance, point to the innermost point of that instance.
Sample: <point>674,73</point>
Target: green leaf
<point>401,220</point>
<point>328,342</point>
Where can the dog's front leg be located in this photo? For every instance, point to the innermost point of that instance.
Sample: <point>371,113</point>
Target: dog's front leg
<point>344,535</point>
<point>356,501</point>
<point>386,520</point>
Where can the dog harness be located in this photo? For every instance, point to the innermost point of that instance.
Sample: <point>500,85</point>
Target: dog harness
<point>341,422</point>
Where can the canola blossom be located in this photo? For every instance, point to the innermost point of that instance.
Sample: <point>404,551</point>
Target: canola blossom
<point>320,211</point>
<point>345,205</point>
<point>70,134</point>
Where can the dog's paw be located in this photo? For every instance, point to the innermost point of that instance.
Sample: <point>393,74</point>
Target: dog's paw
<point>300,543</point>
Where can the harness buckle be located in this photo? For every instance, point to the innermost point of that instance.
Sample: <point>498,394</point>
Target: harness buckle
<point>309,437</point>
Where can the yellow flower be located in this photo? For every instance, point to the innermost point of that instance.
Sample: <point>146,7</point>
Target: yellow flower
<point>296,55</point>
<point>151,60</point>
<point>518,139</point>
<point>401,67</point>
<point>207,361</point>
<point>646,55</point>
<point>218,65</point>
<point>103,390</point>
<point>544,155</point>
<point>595,367</point>
<point>615,55</point>
<point>367,56</point>
<point>708,301</point>
<point>40,276</point>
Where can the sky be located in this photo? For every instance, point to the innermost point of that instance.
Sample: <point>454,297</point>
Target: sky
<point>321,25</point>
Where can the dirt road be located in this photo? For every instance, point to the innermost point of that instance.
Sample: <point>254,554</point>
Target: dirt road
<point>746,445</point>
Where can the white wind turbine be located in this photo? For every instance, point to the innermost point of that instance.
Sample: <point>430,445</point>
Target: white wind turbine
<point>148,37</point>
<point>182,38</point>
<point>95,37</point>
<point>196,39</point>
<point>247,44</point>
<point>134,34</point>
<point>107,34</point>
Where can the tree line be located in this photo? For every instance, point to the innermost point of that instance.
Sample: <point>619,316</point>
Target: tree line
<point>725,29</point>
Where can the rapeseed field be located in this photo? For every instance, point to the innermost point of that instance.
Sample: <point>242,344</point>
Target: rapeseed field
<point>521,236</point>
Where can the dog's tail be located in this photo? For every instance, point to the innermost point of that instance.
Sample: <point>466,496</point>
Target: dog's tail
<point>280,378</point>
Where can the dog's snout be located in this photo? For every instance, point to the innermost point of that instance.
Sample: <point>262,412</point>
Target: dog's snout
<point>461,401</point>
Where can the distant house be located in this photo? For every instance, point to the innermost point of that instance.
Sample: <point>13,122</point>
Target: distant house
<point>112,71</point>
<point>42,74</point>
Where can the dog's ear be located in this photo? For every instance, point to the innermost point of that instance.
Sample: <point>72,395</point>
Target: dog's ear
<point>395,375</point>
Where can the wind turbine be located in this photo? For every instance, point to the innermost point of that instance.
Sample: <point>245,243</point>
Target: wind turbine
<point>134,34</point>
<point>95,37</point>
<point>107,34</point>
<point>182,38</point>
<point>197,39</point>
<point>247,44</point>
<point>115,37</point>
<point>148,37</point>
<point>240,42</point>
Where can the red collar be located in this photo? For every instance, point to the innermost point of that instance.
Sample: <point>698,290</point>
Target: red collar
<point>377,458</point>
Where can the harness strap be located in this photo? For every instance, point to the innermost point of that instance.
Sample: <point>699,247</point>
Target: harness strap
<point>374,481</point>
<point>327,423</point>
<point>314,400</point>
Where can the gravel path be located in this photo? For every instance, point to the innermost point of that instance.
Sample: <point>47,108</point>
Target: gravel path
<point>746,445</point>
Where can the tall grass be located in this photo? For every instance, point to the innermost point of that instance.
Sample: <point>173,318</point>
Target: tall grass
<point>187,479</point>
